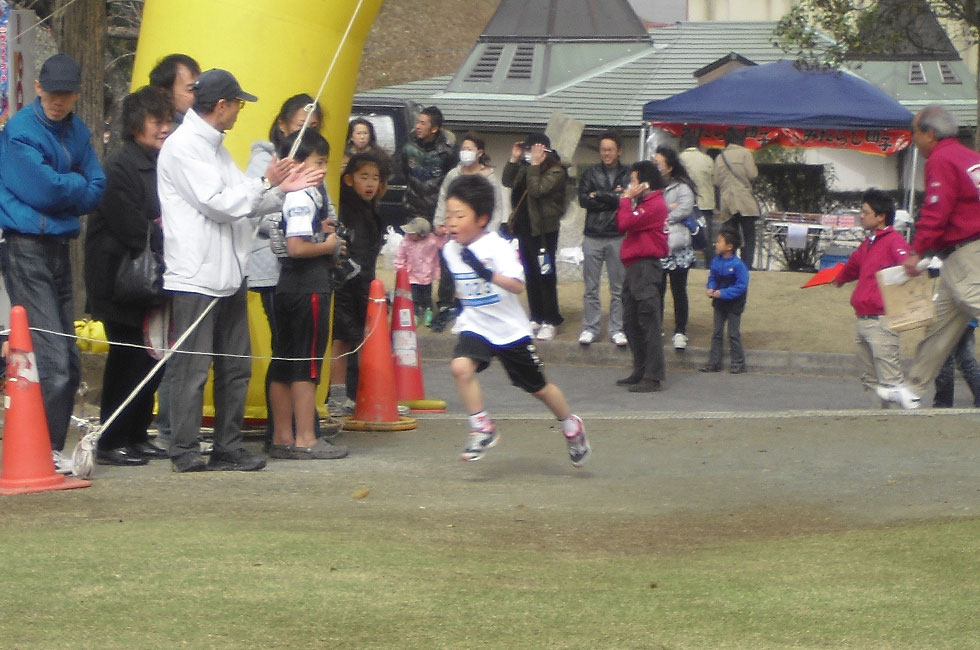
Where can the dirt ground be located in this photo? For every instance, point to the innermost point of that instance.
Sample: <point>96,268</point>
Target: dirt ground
<point>652,484</point>
<point>655,481</point>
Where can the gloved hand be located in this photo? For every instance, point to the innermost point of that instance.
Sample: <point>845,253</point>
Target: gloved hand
<point>470,259</point>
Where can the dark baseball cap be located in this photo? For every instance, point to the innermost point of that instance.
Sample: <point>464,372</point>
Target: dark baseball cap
<point>215,84</point>
<point>60,74</point>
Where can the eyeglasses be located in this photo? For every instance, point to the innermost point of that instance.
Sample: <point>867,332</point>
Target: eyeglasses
<point>235,100</point>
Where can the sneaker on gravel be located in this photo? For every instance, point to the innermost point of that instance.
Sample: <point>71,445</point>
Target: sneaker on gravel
<point>619,339</point>
<point>239,460</point>
<point>189,462</point>
<point>586,338</point>
<point>680,341</point>
<point>578,446</point>
<point>546,333</point>
<point>899,395</point>
<point>62,464</point>
<point>479,441</point>
<point>340,408</point>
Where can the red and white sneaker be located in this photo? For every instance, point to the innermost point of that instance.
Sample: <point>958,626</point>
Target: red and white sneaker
<point>578,445</point>
<point>479,441</point>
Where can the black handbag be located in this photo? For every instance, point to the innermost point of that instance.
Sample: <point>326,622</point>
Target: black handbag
<point>139,278</point>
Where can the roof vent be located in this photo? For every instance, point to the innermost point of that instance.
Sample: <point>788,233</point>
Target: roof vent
<point>483,70</point>
<point>946,70</point>
<point>916,74</point>
<point>522,64</point>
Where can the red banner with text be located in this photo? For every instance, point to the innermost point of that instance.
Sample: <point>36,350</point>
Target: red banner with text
<point>883,142</point>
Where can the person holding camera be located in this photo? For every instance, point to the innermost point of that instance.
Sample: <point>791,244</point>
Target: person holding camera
<point>537,180</point>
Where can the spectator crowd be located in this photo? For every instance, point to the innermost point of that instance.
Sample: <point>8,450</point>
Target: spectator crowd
<point>172,194</point>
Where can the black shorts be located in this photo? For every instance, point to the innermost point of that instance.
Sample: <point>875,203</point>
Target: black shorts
<point>520,359</point>
<point>304,325</point>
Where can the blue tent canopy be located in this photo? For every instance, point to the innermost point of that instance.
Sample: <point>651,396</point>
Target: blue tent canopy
<point>779,95</point>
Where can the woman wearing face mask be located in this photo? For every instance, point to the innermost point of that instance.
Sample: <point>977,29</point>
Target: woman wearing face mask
<point>472,160</point>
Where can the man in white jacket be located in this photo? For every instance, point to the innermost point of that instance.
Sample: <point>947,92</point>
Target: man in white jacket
<point>205,201</point>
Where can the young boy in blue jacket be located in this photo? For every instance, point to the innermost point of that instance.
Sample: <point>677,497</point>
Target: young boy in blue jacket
<point>728,287</point>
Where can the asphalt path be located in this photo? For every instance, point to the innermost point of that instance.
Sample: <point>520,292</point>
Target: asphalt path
<point>591,391</point>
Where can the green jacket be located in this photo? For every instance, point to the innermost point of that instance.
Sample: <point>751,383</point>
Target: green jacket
<point>546,198</point>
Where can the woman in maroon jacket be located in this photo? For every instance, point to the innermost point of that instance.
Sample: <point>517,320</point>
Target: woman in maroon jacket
<point>642,217</point>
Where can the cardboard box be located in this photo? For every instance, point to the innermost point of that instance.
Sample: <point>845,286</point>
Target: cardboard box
<point>909,301</point>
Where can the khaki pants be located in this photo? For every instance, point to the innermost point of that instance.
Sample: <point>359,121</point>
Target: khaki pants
<point>877,354</point>
<point>957,303</point>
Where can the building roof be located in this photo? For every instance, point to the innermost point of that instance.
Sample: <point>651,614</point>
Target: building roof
<point>563,20</point>
<point>612,94</point>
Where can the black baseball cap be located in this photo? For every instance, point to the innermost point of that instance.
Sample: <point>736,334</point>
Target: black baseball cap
<point>215,84</point>
<point>60,74</point>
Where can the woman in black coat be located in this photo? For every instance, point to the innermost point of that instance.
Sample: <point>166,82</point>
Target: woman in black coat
<point>129,211</point>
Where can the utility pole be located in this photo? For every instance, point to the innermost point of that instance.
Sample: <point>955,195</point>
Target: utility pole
<point>80,31</point>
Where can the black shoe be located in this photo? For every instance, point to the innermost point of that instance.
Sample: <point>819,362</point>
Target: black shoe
<point>147,449</point>
<point>737,370</point>
<point>629,381</point>
<point>240,460</point>
<point>709,368</point>
<point>646,386</point>
<point>122,456</point>
<point>188,463</point>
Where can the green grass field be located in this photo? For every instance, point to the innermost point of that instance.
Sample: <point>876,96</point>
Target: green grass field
<point>307,577</point>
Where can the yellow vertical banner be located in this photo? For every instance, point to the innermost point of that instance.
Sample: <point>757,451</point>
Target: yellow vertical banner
<point>276,49</point>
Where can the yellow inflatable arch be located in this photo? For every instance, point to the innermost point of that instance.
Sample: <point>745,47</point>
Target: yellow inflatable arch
<point>276,49</point>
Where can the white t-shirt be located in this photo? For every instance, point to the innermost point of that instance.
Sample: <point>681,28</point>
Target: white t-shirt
<point>299,212</point>
<point>488,310</point>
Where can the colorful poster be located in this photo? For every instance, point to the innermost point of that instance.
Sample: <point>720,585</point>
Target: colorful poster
<point>4,62</point>
<point>882,142</point>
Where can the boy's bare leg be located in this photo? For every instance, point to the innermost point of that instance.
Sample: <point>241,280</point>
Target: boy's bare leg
<point>554,399</point>
<point>338,362</point>
<point>282,413</point>
<point>303,395</point>
<point>467,385</point>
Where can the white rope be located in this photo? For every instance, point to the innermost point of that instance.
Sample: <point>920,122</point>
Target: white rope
<point>311,107</point>
<point>174,350</point>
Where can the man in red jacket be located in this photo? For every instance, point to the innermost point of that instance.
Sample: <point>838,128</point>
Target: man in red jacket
<point>948,226</point>
<point>877,346</point>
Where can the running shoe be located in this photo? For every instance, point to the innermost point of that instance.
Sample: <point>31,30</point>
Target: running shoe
<point>578,445</point>
<point>479,441</point>
<point>619,339</point>
<point>899,395</point>
<point>680,341</point>
<point>62,464</point>
<point>546,332</point>
<point>586,337</point>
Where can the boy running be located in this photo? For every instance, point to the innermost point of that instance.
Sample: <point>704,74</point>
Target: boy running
<point>488,276</point>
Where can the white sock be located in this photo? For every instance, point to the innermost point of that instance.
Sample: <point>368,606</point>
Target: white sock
<point>570,425</point>
<point>479,420</point>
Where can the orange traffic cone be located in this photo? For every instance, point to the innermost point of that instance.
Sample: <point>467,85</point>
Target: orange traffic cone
<point>26,465</point>
<point>376,408</point>
<point>409,387</point>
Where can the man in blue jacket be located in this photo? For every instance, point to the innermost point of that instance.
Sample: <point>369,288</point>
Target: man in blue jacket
<point>49,176</point>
